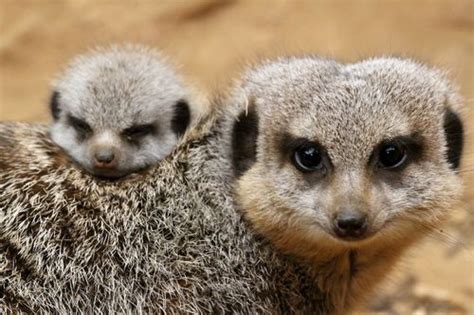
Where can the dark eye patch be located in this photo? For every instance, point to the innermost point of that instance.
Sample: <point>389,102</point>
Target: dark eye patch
<point>138,132</point>
<point>306,155</point>
<point>82,128</point>
<point>308,158</point>
<point>396,153</point>
<point>289,143</point>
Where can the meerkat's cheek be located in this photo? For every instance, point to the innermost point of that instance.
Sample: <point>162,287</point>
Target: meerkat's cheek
<point>258,199</point>
<point>157,148</point>
<point>77,151</point>
<point>417,204</point>
<point>82,155</point>
<point>63,136</point>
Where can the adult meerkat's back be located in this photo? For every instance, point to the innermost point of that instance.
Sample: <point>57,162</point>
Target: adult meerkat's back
<point>119,110</point>
<point>347,164</point>
<point>170,240</point>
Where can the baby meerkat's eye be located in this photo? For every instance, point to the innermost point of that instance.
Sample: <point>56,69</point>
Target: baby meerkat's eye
<point>80,125</point>
<point>392,155</point>
<point>137,132</point>
<point>308,158</point>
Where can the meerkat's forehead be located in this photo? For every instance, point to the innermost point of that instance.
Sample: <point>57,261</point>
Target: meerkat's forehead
<point>376,87</point>
<point>120,83</point>
<point>307,80</point>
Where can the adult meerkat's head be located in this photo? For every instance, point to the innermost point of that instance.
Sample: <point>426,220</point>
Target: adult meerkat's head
<point>118,110</point>
<point>344,155</point>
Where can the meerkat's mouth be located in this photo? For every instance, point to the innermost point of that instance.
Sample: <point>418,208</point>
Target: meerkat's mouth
<point>110,175</point>
<point>355,239</point>
<point>116,174</point>
<point>372,234</point>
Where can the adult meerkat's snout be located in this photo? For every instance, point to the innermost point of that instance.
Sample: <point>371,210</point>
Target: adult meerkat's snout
<point>346,156</point>
<point>350,224</point>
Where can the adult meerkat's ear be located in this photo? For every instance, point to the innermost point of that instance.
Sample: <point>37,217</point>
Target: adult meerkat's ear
<point>54,105</point>
<point>453,129</point>
<point>181,117</point>
<point>244,139</point>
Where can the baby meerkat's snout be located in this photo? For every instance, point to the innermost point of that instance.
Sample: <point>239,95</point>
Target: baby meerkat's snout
<point>105,158</point>
<point>106,153</point>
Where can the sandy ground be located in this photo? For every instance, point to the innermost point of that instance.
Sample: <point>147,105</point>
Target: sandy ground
<point>213,40</point>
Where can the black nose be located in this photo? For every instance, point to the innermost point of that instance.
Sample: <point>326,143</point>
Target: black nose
<point>350,224</point>
<point>104,155</point>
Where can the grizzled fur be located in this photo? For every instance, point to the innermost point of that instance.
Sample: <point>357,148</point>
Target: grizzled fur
<point>124,101</point>
<point>164,241</point>
<point>349,112</point>
<point>169,240</point>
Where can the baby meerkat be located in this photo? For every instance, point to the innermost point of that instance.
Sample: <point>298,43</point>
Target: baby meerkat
<point>354,161</point>
<point>119,110</point>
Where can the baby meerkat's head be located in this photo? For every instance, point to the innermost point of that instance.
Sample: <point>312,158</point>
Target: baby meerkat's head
<point>119,110</point>
<point>344,155</point>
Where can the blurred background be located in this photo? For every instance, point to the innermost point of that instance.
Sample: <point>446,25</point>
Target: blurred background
<point>213,40</point>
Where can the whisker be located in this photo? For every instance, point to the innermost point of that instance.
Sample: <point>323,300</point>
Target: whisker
<point>465,171</point>
<point>449,238</point>
<point>456,243</point>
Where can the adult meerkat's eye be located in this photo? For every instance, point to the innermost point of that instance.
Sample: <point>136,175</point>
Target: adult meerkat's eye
<point>137,132</point>
<point>308,158</point>
<point>392,155</point>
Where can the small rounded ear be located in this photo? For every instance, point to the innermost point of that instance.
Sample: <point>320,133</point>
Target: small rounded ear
<point>54,105</point>
<point>454,131</point>
<point>244,140</point>
<point>181,117</point>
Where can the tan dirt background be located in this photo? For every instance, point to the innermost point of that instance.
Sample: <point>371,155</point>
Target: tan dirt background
<point>212,40</point>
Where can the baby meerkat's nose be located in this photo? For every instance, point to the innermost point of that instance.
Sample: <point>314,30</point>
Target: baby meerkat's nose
<point>105,157</point>
<point>350,224</point>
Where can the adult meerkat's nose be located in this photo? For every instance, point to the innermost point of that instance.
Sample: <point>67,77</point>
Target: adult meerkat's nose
<point>350,224</point>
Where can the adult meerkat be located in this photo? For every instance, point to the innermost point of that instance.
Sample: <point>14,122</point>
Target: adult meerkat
<point>345,166</point>
<point>119,110</point>
<point>170,239</point>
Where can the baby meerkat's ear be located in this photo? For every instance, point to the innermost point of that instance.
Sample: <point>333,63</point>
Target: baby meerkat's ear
<point>54,105</point>
<point>244,139</point>
<point>454,131</point>
<point>181,117</point>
